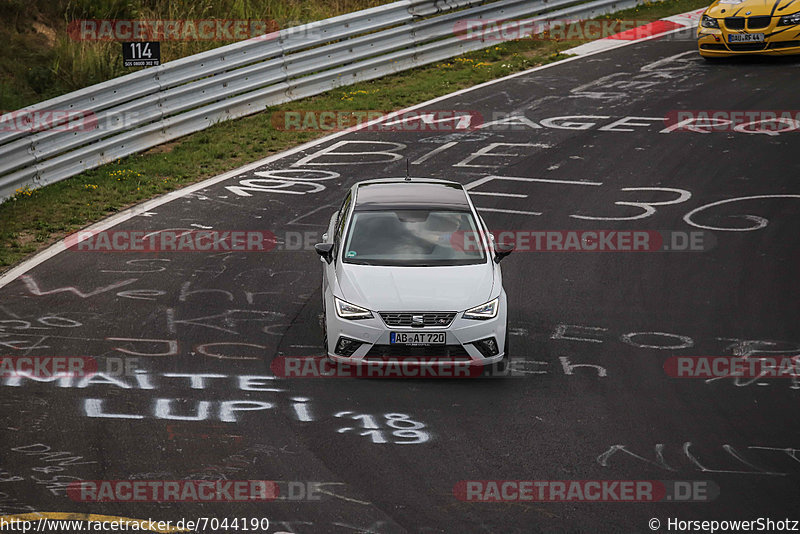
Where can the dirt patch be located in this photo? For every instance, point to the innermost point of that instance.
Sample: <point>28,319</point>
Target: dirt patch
<point>166,148</point>
<point>26,237</point>
<point>46,31</point>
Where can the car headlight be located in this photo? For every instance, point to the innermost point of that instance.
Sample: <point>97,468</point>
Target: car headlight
<point>709,22</point>
<point>484,311</point>
<point>345,310</point>
<point>789,20</point>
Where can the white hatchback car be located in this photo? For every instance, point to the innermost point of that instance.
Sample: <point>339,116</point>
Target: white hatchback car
<point>399,285</point>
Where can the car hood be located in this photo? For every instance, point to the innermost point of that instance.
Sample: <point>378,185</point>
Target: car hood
<point>451,288</point>
<point>756,7</point>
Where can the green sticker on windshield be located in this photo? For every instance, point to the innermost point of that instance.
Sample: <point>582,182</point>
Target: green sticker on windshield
<point>351,254</point>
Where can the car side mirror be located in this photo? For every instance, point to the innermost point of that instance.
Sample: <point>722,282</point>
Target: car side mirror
<point>501,250</point>
<point>325,250</point>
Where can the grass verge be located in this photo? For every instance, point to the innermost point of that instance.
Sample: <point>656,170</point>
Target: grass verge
<point>39,60</point>
<point>34,219</point>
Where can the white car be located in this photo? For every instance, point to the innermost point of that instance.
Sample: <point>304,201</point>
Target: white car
<point>399,284</point>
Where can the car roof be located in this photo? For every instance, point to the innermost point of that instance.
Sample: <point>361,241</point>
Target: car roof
<point>410,194</point>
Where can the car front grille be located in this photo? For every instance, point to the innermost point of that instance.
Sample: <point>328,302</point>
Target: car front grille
<point>451,353</point>
<point>712,46</point>
<point>437,319</point>
<point>753,23</point>
<point>747,47</point>
<point>756,23</point>
<point>734,23</point>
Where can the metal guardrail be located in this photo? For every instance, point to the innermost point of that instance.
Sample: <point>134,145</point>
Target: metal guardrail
<point>155,105</point>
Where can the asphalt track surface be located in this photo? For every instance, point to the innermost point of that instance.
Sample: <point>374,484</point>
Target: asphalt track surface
<point>619,417</point>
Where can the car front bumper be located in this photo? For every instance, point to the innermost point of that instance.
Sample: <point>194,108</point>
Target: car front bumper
<point>715,42</point>
<point>374,335</point>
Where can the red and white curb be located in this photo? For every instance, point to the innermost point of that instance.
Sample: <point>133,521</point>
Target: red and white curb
<point>652,30</point>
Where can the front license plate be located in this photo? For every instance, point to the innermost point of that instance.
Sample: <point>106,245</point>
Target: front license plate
<point>417,338</point>
<point>746,38</point>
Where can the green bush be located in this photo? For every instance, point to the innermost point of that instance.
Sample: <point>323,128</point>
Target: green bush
<point>39,78</point>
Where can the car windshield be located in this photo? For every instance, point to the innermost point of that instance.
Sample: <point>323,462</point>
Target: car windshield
<point>413,238</point>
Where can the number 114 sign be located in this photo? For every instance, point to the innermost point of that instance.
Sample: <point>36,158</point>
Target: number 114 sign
<point>141,54</point>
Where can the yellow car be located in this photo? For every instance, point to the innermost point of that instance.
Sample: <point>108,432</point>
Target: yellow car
<point>736,27</point>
